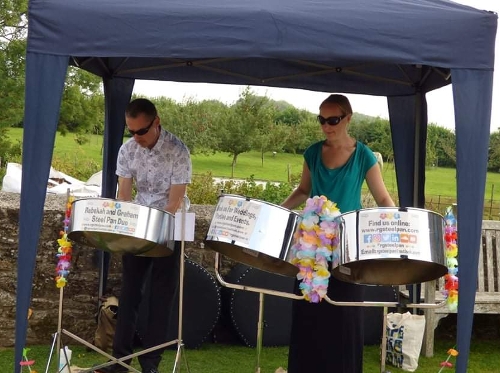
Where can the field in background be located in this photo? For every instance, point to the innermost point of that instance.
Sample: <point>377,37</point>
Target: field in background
<point>440,186</point>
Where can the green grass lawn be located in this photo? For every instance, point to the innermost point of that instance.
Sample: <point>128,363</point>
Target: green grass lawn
<point>217,358</point>
<point>440,182</point>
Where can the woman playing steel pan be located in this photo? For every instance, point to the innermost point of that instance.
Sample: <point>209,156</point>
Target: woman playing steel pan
<point>326,338</point>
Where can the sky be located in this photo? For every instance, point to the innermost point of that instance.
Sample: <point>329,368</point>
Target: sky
<point>439,102</point>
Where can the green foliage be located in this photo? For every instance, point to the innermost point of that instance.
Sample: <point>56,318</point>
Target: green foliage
<point>82,139</point>
<point>13,27</point>
<point>10,151</point>
<point>290,115</point>
<point>494,152</point>
<point>82,106</point>
<point>276,193</point>
<point>273,137</point>
<point>300,137</point>
<point>74,167</point>
<point>194,123</point>
<point>374,132</point>
<point>440,147</point>
<point>203,191</point>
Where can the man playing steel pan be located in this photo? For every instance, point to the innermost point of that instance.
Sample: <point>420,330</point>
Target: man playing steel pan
<point>160,166</point>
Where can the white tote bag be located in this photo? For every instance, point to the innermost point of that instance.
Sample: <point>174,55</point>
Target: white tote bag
<point>404,340</point>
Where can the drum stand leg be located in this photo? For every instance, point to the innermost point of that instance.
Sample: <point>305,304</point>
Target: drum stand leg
<point>383,353</point>
<point>261,291</point>
<point>57,337</point>
<point>57,344</point>
<point>180,344</point>
<point>260,331</point>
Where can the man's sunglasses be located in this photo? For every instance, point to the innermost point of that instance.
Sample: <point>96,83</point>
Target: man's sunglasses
<point>142,131</point>
<point>332,121</point>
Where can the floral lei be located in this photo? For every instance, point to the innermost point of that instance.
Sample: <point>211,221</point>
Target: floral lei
<point>316,244</point>
<point>65,250</point>
<point>451,278</point>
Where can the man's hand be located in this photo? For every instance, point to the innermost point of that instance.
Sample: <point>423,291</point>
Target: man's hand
<point>177,193</point>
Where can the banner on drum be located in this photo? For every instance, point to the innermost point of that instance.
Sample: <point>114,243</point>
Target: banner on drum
<point>109,216</point>
<point>235,219</point>
<point>404,340</point>
<point>386,234</point>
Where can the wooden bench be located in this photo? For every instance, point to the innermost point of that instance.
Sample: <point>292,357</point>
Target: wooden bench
<point>488,285</point>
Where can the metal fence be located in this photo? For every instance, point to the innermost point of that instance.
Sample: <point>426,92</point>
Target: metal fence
<point>439,204</point>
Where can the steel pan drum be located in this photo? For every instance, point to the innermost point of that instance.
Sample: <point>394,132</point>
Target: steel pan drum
<point>253,232</point>
<point>121,227</point>
<point>390,246</point>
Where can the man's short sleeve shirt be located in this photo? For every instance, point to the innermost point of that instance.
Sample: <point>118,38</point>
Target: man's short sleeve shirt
<point>155,170</point>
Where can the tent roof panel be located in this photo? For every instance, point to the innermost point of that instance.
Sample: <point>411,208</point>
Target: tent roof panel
<point>423,32</point>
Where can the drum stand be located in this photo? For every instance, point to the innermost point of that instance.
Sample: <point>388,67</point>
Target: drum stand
<point>260,324</point>
<point>180,345</point>
<point>121,361</point>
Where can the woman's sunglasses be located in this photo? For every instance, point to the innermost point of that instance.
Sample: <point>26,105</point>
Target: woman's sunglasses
<point>142,131</point>
<point>332,121</point>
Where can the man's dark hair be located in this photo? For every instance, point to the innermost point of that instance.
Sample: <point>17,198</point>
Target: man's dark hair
<point>141,106</point>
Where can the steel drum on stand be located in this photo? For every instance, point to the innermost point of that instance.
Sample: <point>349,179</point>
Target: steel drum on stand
<point>122,227</point>
<point>390,246</point>
<point>253,232</point>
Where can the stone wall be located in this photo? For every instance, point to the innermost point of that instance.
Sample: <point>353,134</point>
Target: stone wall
<point>81,293</point>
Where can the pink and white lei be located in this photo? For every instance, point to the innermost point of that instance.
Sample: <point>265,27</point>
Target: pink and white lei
<point>316,244</point>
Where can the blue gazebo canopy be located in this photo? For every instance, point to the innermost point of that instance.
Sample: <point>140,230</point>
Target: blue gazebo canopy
<point>394,48</point>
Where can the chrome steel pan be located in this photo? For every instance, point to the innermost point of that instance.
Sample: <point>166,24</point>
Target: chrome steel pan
<point>253,232</point>
<point>121,227</point>
<point>390,246</point>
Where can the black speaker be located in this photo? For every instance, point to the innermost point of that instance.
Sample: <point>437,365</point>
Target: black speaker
<point>201,308</point>
<point>244,306</point>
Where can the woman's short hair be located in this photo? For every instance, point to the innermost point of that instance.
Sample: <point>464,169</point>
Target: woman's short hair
<point>341,101</point>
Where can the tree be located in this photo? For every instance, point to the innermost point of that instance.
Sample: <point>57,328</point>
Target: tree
<point>271,137</point>
<point>195,123</point>
<point>290,115</point>
<point>431,158</point>
<point>238,135</point>
<point>440,146</point>
<point>13,29</point>
<point>444,145</point>
<point>374,132</point>
<point>494,152</point>
<point>302,135</point>
<point>82,106</point>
